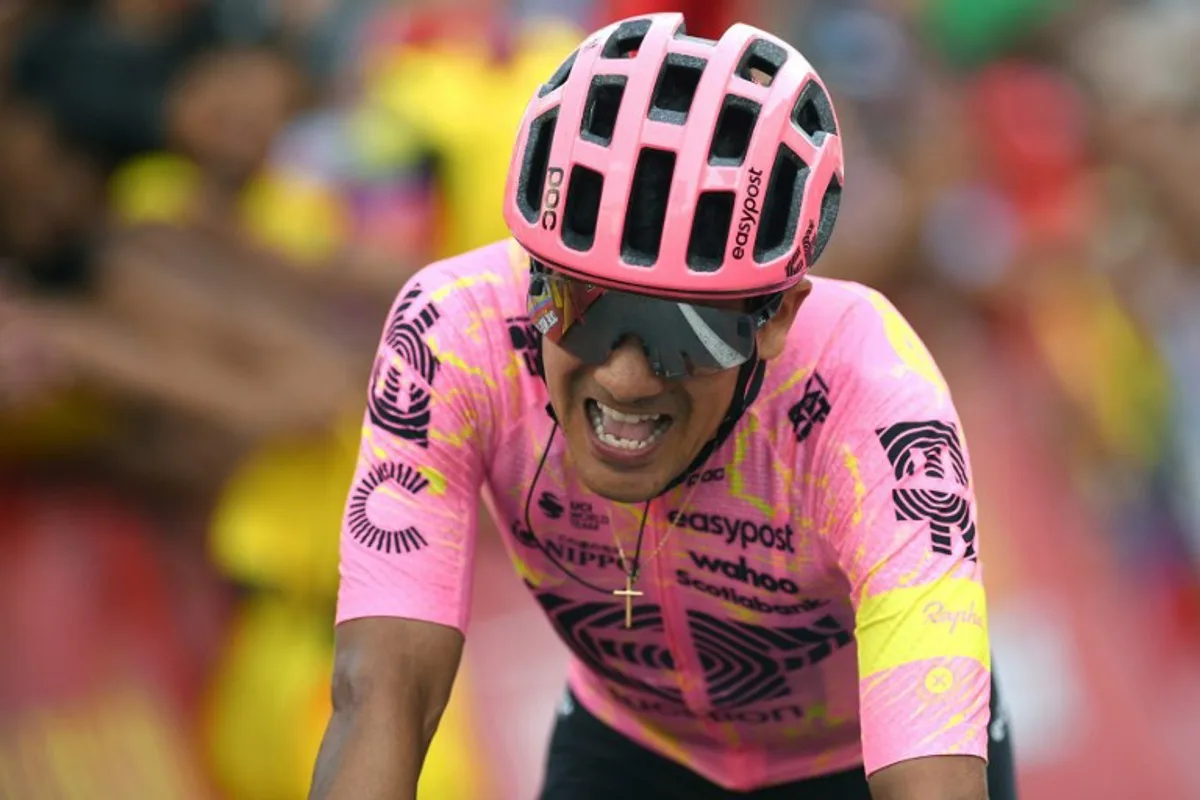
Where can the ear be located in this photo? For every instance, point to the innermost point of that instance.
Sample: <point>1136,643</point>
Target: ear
<point>773,336</point>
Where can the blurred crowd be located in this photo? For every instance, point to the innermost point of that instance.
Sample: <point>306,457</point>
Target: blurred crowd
<point>207,206</point>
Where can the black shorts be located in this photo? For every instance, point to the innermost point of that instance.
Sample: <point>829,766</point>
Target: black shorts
<point>588,760</point>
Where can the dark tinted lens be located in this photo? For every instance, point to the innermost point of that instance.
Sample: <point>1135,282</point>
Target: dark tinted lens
<point>679,339</point>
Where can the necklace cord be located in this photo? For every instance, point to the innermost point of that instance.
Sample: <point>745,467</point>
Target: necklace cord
<point>529,524</point>
<point>630,568</point>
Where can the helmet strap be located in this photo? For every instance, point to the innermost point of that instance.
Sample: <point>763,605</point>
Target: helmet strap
<point>750,380</point>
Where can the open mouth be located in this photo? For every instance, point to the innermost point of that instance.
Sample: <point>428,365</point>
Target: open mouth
<point>632,433</point>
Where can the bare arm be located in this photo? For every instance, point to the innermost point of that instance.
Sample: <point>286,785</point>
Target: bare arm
<point>407,554</point>
<point>391,682</point>
<point>933,778</point>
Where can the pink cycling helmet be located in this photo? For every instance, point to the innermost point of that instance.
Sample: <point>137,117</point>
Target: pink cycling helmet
<point>671,165</point>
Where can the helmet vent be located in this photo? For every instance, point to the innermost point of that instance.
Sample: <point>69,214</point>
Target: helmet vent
<point>735,125</point>
<point>583,208</point>
<point>761,62</point>
<point>676,88</point>
<point>681,34</point>
<point>813,113</point>
<point>710,231</point>
<point>647,209</point>
<point>781,206</point>
<point>533,170</point>
<point>600,112</point>
<point>626,40</point>
<point>830,203</point>
<point>559,77</point>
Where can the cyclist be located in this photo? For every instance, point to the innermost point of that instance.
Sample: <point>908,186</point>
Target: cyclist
<point>740,495</point>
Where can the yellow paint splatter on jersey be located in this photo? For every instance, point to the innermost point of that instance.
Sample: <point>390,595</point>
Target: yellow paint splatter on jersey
<point>475,329</point>
<point>379,452</point>
<point>437,481</point>
<point>850,462</point>
<point>908,346</point>
<point>459,438</point>
<point>913,575</point>
<point>791,383</point>
<point>449,358</point>
<point>465,282</point>
<point>528,573</point>
<point>632,514</point>
<point>737,478</point>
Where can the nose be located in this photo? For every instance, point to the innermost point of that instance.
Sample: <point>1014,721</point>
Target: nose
<point>626,374</point>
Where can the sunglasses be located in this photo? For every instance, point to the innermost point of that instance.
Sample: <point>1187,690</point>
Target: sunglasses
<point>679,339</point>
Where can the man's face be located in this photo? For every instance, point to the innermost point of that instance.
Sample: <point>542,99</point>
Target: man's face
<point>630,432</point>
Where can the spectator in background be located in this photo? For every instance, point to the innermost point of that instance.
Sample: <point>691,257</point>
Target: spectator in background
<point>95,85</point>
<point>105,71</point>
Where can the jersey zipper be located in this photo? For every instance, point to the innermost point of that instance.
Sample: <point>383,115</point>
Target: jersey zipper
<point>691,670</point>
<point>679,642</point>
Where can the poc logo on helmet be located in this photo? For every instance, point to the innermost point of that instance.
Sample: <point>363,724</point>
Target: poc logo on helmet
<point>552,198</point>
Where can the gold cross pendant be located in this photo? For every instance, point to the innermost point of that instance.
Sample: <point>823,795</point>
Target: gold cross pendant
<point>628,593</point>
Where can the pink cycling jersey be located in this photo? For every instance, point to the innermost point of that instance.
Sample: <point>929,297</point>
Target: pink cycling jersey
<point>817,600</point>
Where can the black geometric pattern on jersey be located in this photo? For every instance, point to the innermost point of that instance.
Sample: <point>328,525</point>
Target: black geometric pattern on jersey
<point>945,512</point>
<point>813,407</point>
<point>924,448</point>
<point>526,340</point>
<point>397,402</point>
<point>746,664</point>
<point>913,446</point>
<point>597,635</point>
<point>367,533</point>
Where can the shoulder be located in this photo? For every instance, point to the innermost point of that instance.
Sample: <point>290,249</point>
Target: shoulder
<point>863,348</point>
<point>493,276</point>
<point>468,301</point>
<point>461,326</point>
<point>853,364</point>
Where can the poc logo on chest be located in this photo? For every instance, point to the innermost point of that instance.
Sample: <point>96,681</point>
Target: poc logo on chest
<point>708,476</point>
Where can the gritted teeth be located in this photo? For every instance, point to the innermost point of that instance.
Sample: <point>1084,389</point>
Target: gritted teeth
<point>620,416</point>
<point>600,414</point>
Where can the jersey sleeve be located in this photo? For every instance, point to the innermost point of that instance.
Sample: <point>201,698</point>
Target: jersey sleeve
<point>408,531</point>
<point>902,496</point>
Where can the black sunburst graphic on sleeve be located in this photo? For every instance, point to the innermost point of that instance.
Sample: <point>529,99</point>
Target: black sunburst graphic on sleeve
<point>366,532</point>
<point>397,402</point>
<point>931,449</point>
<point>924,447</point>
